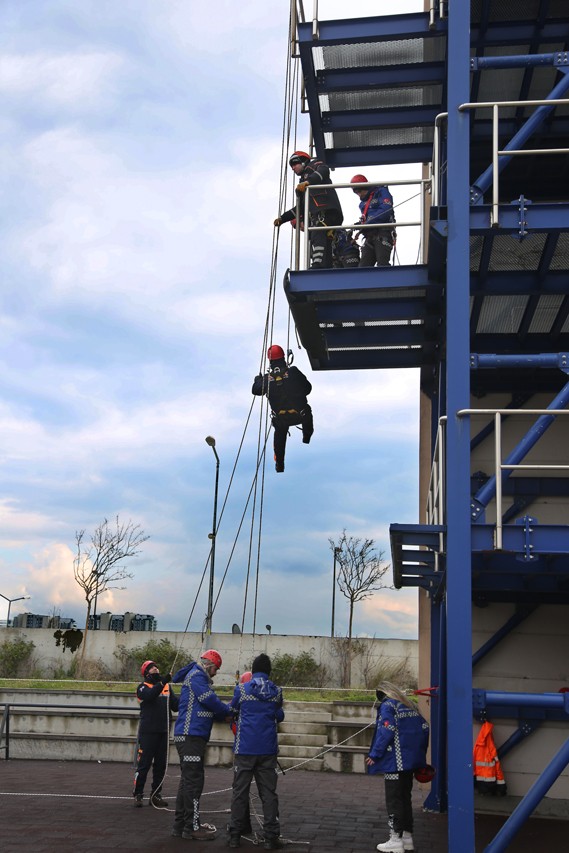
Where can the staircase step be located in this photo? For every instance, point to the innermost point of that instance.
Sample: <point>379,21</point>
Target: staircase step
<point>290,727</point>
<point>295,739</point>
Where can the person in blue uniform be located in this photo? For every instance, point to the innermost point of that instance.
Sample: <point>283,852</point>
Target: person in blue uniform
<point>258,704</point>
<point>198,707</point>
<point>323,205</point>
<point>399,747</point>
<point>376,206</point>
<point>157,701</point>
<point>286,389</point>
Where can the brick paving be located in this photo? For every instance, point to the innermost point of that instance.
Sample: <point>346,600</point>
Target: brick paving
<point>67,806</point>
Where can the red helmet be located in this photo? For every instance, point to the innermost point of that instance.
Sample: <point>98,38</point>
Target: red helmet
<point>214,657</point>
<point>247,676</point>
<point>359,179</point>
<point>298,157</point>
<point>144,667</point>
<point>275,352</point>
<point>425,774</point>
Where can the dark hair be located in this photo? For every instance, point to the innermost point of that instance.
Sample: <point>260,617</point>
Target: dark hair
<point>262,663</point>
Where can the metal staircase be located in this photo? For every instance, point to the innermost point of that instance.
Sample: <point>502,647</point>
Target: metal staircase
<point>485,318</point>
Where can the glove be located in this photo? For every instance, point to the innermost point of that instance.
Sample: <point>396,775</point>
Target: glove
<point>277,222</point>
<point>301,187</point>
<point>166,678</point>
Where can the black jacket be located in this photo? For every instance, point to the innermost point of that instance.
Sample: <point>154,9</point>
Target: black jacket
<point>157,701</point>
<point>316,173</point>
<point>286,387</point>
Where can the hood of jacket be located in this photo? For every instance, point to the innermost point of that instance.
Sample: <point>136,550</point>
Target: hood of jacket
<point>262,688</point>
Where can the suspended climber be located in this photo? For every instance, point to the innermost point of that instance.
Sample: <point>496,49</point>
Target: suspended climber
<point>376,206</point>
<point>323,207</point>
<point>286,388</point>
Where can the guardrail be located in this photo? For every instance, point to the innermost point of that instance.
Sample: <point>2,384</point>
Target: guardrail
<point>303,214</point>
<point>436,493</point>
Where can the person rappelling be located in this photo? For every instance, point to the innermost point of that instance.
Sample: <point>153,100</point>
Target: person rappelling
<point>323,205</point>
<point>286,388</point>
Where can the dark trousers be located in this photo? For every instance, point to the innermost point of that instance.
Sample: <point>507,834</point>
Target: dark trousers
<point>321,241</point>
<point>152,752</point>
<point>398,787</point>
<point>376,249</point>
<point>263,768</point>
<point>281,424</point>
<point>191,751</point>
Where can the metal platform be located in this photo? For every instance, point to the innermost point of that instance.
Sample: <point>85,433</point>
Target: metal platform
<point>530,568</point>
<point>366,318</point>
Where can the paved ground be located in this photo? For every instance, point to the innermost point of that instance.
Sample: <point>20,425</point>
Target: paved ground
<point>48,806</point>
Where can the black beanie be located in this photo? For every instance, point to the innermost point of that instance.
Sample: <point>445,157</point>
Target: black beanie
<point>262,663</point>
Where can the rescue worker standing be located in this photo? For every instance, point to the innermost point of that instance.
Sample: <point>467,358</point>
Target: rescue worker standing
<point>198,708</point>
<point>323,206</point>
<point>157,701</point>
<point>399,747</point>
<point>376,206</point>
<point>286,389</point>
<point>259,706</point>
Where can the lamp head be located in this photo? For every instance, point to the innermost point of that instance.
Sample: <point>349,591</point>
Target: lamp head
<point>209,439</point>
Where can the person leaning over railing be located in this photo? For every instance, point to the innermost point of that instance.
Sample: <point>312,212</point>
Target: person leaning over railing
<point>323,206</point>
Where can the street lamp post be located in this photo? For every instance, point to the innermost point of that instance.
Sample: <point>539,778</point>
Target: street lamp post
<point>10,602</point>
<point>336,552</point>
<point>209,618</point>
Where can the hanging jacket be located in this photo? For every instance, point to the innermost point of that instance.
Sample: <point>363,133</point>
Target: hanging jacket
<point>286,387</point>
<point>400,739</point>
<point>157,701</point>
<point>317,173</point>
<point>199,705</point>
<point>259,705</point>
<point>488,775</point>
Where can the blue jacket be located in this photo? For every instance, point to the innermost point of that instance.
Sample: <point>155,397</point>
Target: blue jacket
<point>198,704</point>
<point>259,705</point>
<point>400,739</point>
<point>377,206</point>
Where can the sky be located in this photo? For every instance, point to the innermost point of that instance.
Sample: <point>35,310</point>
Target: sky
<point>141,149</point>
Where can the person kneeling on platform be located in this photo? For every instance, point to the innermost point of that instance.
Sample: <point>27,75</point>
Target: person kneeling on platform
<point>286,389</point>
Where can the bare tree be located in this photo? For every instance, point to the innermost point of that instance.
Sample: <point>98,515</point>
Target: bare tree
<point>98,564</point>
<point>360,574</point>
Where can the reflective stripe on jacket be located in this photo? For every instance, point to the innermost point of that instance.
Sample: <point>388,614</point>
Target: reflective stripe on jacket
<point>488,775</point>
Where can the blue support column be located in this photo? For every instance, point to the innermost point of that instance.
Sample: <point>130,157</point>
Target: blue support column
<point>534,796</point>
<point>437,799</point>
<point>458,597</point>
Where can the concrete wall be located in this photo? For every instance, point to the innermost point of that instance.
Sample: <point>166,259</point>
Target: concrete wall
<point>237,650</point>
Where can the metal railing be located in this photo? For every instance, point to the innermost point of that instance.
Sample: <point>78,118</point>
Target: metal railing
<point>496,151</point>
<point>436,494</point>
<point>423,183</point>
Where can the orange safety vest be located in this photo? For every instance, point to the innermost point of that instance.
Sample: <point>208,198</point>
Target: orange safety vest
<point>488,775</point>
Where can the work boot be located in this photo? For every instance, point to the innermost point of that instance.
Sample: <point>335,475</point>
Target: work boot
<point>138,798</point>
<point>234,840</point>
<point>273,844</point>
<point>157,800</point>
<point>393,845</point>
<point>408,841</point>
<point>201,834</point>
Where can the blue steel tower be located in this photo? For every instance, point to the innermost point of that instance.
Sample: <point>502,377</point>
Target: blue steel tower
<point>479,93</point>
